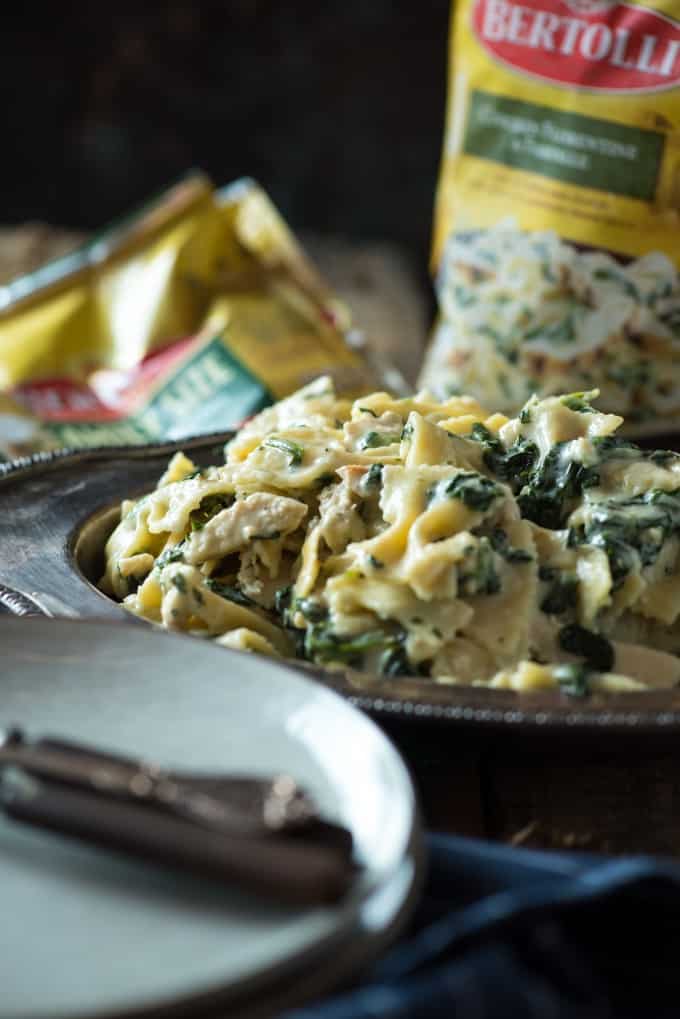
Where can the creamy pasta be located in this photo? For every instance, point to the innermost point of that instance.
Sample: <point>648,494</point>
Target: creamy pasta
<point>422,538</point>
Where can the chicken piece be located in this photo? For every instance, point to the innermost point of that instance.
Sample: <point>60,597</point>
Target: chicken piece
<point>261,515</point>
<point>340,521</point>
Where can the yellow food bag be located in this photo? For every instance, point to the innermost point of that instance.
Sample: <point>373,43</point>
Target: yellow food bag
<point>557,225</point>
<point>185,318</point>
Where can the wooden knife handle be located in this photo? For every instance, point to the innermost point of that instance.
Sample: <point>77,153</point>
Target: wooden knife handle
<point>275,867</point>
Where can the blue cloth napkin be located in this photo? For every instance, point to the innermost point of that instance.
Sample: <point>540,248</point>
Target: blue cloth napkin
<point>504,933</point>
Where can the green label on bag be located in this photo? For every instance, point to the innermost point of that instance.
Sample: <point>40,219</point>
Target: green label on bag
<point>580,150</point>
<point>79,434</point>
<point>210,392</point>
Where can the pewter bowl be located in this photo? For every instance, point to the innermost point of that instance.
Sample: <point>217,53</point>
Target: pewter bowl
<point>57,510</point>
<point>489,762</point>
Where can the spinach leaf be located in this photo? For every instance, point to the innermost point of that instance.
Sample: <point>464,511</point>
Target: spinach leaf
<point>323,645</point>
<point>476,491</point>
<point>394,662</point>
<point>562,593</point>
<point>375,440</point>
<point>209,507</point>
<point>229,593</point>
<point>579,402</point>
<point>373,479</point>
<point>574,680</point>
<point>325,479</point>
<point>512,465</point>
<point>630,530</point>
<point>312,610</point>
<point>548,495</point>
<point>282,600</point>
<point>294,450</point>
<point>593,647</point>
<point>477,574</point>
<point>499,543</point>
<point>610,447</point>
<point>174,554</point>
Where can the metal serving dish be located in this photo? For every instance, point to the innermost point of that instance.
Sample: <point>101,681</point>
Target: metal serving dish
<point>56,511</point>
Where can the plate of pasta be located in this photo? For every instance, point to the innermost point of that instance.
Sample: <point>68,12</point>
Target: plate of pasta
<point>410,550</point>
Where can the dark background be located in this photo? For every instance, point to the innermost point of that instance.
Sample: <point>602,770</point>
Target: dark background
<point>336,108</point>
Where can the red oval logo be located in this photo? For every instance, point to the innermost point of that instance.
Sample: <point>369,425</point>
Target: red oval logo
<point>588,44</point>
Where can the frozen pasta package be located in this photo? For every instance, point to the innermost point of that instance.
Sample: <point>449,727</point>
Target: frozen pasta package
<point>185,318</point>
<point>557,226</point>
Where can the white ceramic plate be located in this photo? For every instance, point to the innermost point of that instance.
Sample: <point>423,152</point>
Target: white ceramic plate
<point>88,933</point>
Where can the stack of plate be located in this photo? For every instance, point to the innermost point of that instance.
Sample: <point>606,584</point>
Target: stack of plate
<point>89,933</point>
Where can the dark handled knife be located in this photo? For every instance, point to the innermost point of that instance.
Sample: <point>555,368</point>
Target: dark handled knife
<point>263,834</point>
